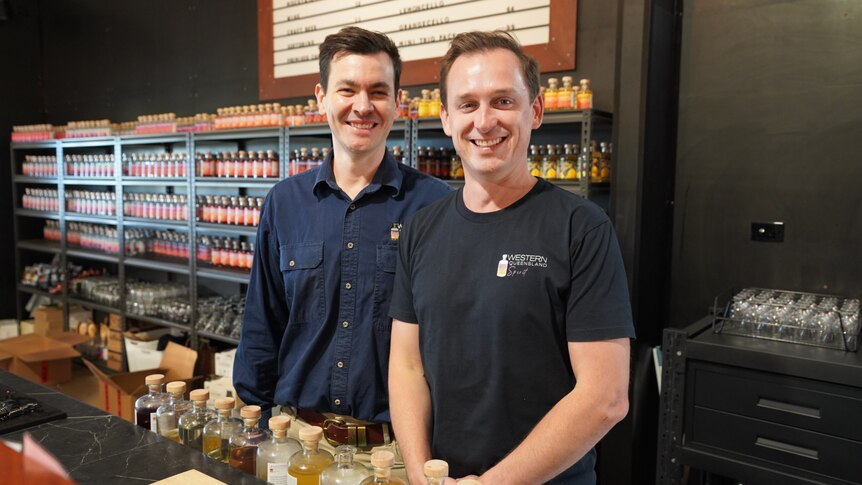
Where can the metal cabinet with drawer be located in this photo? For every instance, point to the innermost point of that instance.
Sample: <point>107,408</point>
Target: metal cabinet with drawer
<point>759,411</point>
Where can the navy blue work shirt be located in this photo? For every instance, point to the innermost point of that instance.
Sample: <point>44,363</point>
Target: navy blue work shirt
<point>316,328</point>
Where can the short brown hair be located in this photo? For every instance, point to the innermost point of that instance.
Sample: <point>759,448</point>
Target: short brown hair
<point>355,40</point>
<point>471,42</point>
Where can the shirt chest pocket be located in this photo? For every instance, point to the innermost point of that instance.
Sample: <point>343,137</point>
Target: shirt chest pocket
<point>384,277</point>
<point>301,267</point>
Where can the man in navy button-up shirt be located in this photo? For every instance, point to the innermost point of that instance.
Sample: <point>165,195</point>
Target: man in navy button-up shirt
<point>316,328</point>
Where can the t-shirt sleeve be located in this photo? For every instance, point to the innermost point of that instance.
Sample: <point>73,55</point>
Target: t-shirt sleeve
<point>598,305</point>
<point>401,307</point>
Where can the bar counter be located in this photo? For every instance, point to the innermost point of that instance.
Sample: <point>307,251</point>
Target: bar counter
<point>97,448</point>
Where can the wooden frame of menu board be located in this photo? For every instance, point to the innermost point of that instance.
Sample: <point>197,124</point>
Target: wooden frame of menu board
<point>558,54</point>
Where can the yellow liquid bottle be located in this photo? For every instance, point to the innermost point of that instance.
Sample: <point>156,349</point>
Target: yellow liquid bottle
<point>551,94</point>
<point>434,107</point>
<point>535,161</point>
<point>567,170</point>
<point>564,95</point>
<point>585,95</point>
<point>549,164</point>
<point>307,465</point>
<point>218,431</point>
<point>425,104</point>
<point>382,462</point>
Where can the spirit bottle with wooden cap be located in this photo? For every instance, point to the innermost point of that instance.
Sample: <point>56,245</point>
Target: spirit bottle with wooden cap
<point>243,444</point>
<point>273,455</point>
<point>218,431</point>
<point>307,465</point>
<point>168,414</point>
<point>191,423</point>
<point>585,95</point>
<point>382,462</point>
<point>147,405</point>
<point>436,472</point>
<point>345,471</point>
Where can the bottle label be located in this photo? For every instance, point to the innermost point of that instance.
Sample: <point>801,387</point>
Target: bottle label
<point>154,423</point>
<point>276,473</point>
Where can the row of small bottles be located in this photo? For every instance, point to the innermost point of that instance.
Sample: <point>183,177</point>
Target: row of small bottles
<point>567,96</point>
<point>91,203</point>
<point>162,165</point>
<point>89,165</point>
<point>428,105</point>
<point>438,162</point>
<point>39,166</point>
<point>236,210</point>
<point>40,199</point>
<point>569,162</point>
<point>268,115</point>
<point>241,443</point>
<point>301,160</point>
<point>225,251</point>
<point>239,164</point>
<point>169,207</point>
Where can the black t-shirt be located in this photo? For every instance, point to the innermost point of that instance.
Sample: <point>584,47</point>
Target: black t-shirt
<point>497,297</point>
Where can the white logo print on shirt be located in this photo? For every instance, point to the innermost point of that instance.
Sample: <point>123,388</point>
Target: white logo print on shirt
<point>518,264</point>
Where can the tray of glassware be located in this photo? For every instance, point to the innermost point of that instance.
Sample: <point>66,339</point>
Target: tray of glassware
<point>789,316</point>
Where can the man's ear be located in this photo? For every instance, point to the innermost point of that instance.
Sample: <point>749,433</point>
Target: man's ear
<point>321,96</point>
<point>444,118</point>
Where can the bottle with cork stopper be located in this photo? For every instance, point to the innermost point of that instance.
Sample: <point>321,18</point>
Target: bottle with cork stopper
<point>273,455</point>
<point>168,413</point>
<point>551,94</point>
<point>382,462</point>
<point>244,442</point>
<point>217,431</point>
<point>345,471</point>
<point>566,95</point>
<point>191,423</point>
<point>436,472</point>
<point>585,95</point>
<point>307,465</point>
<point>147,405</point>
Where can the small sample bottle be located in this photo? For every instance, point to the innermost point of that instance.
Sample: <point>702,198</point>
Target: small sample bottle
<point>273,455</point>
<point>382,462</point>
<point>307,465</point>
<point>436,472</point>
<point>585,95</point>
<point>218,431</point>
<point>434,107</point>
<point>551,94</point>
<point>549,163</point>
<point>167,414</point>
<point>147,405</point>
<point>191,423</point>
<point>345,471</point>
<point>565,95</point>
<point>425,104</point>
<point>566,170</point>
<point>244,442</point>
<point>535,161</point>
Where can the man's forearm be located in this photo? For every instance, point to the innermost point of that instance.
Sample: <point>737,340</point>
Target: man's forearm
<point>410,407</point>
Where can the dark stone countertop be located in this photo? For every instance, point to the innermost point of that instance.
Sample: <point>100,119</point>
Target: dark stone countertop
<point>98,448</point>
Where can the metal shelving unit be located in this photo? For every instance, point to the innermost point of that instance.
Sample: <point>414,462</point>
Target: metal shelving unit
<point>409,131</point>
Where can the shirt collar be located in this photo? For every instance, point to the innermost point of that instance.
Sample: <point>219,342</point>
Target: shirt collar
<point>387,175</point>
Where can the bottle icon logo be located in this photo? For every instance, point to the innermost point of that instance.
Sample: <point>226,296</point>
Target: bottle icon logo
<point>502,267</point>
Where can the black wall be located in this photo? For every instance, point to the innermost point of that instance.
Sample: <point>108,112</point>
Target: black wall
<point>770,129</point>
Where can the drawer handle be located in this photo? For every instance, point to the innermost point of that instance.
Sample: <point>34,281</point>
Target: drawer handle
<point>788,408</point>
<point>787,448</point>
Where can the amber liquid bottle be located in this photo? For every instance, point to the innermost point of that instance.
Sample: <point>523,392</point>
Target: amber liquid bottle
<point>243,444</point>
<point>307,465</point>
<point>218,431</point>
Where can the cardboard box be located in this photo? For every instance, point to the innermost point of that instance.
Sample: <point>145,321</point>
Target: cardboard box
<point>115,342</point>
<point>77,315</point>
<point>48,319</point>
<point>141,349</point>
<point>5,360</point>
<point>42,359</point>
<point>224,363</point>
<point>8,328</point>
<point>115,322</point>
<point>115,361</point>
<point>220,387</point>
<point>27,327</point>
<point>117,393</point>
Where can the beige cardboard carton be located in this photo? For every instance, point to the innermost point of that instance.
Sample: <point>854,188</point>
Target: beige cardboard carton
<point>42,359</point>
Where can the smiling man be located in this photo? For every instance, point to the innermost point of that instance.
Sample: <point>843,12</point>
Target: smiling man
<point>315,337</point>
<point>510,344</point>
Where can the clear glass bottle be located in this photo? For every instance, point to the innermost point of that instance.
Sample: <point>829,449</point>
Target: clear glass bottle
<point>436,472</point>
<point>244,442</point>
<point>273,455</point>
<point>191,423</point>
<point>585,95</point>
<point>382,462</point>
<point>565,95</point>
<point>345,471</point>
<point>218,431</point>
<point>551,94</point>
<point>147,405</point>
<point>307,465</point>
<point>167,414</point>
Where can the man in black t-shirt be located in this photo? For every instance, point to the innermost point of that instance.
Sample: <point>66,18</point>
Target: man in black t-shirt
<point>510,339</point>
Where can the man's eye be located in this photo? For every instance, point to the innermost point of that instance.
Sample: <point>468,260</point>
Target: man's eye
<point>466,106</point>
<point>505,101</point>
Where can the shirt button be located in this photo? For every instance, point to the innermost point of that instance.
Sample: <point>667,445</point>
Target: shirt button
<point>350,245</point>
<point>292,263</point>
<point>352,206</point>
<point>340,365</point>
<point>348,286</point>
<point>345,324</point>
<point>337,402</point>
